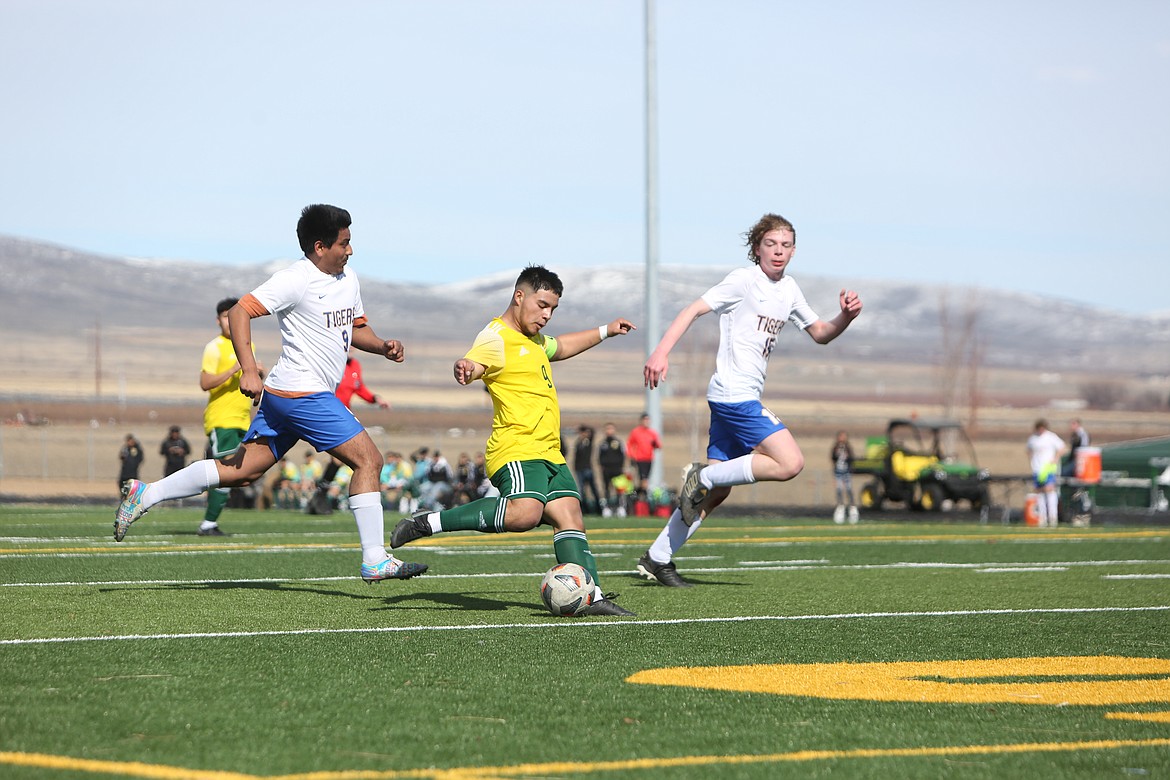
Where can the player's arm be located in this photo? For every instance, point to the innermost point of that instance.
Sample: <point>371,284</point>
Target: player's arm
<point>570,344</point>
<point>822,331</point>
<point>240,327</point>
<point>210,381</point>
<point>467,371</point>
<point>658,363</point>
<point>366,340</point>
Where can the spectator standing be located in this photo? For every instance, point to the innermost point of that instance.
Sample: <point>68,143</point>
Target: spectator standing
<point>174,450</point>
<point>640,447</point>
<point>130,455</point>
<point>842,459</point>
<point>611,458</point>
<point>228,412</point>
<point>1044,451</point>
<point>583,469</point>
<point>1077,437</point>
<point>351,384</point>
<point>435,493</point>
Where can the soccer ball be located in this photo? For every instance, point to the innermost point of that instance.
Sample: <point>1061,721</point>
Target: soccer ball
<point>567,589</point>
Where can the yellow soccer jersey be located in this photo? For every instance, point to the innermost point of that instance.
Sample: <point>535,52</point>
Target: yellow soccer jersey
<point>526,419</point>
<point>227,407</point>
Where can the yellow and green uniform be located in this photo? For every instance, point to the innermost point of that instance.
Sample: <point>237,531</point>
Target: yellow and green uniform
<point>523,453</point>
<point>226,417</point>
<point>526,417</point>
<point>227,407</point>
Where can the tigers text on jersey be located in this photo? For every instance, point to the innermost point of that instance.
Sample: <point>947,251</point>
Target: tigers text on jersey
<point>227,407</point>
<point>317,313</point>
<point>526,417</point>
<point>752,310</point>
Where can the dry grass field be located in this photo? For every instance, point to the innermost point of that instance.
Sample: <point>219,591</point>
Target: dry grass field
<point>143,381</point>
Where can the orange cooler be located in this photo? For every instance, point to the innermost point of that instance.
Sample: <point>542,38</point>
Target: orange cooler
<point>1031,513</point>
<point>1088,464</point>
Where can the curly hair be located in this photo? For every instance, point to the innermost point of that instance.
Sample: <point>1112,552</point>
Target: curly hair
<point>766,224</point>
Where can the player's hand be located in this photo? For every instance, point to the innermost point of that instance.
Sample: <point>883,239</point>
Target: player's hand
<point>655,370</point>
<point>850,304</point>
<point>620,327</point>
<point>393,350</point>
<point>252,385</point>
<point>464,371</point>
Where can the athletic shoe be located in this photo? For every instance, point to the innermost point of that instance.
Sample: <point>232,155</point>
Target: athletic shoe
<point>606,606</point>
<point>692,493</point>
<point>410,528</point>
<point>839,514</point>
<point>853,515</point>
<point>391,569</point>
<point>663,573</point>
<point>130,509</point>
<point>215,530</point>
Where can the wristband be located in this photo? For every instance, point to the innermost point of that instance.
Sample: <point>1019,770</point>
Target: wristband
<point>603,331</point>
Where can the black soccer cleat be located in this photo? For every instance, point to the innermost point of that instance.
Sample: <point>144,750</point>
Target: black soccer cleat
<point>215,530</point>
<point>605,607</point>
<point>662,573</point>
<point>410,528</point>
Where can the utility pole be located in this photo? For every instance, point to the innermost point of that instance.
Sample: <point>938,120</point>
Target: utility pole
<point>652,327</point>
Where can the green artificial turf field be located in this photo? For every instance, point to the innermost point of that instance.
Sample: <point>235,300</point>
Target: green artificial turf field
<point>885,649</point>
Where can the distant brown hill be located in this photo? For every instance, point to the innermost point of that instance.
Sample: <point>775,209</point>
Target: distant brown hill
<point>901,321</point>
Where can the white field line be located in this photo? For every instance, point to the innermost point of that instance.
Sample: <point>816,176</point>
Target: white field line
<point>575,623</point>
<point>1002,569</point>
<point>1135,576</point>
<point>744,566</point>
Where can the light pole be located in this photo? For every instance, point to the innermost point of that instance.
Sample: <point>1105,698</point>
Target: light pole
<point>652,327</point>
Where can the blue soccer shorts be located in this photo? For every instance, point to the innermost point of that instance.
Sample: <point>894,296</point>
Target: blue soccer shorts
<point>320,419</point>
<point>738,428</point>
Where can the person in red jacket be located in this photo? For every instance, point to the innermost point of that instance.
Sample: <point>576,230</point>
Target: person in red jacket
<point>351,384</point>
<point>640,446</point>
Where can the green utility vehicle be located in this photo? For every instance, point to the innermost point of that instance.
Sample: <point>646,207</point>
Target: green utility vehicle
<point>924,464</point>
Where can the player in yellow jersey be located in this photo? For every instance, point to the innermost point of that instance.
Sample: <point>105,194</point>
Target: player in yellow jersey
<point>228,413</point>
<point>524,459</point>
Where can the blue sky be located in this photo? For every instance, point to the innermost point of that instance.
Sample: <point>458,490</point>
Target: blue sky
<point>999,144</point>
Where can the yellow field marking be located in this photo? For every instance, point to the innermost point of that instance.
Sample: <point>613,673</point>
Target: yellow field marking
<point>919,681</point>
<point>1149,717</point>
<point>134,769</point>
<point>116,768</point>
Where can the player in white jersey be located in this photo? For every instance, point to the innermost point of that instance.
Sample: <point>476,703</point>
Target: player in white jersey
<point>1044,451</point>
<point>747,442</point>
<point>318,305</point>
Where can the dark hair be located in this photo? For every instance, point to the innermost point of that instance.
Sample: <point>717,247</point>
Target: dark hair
<point>320,222</point>
<point>225,304</point>
<point>540,278</point>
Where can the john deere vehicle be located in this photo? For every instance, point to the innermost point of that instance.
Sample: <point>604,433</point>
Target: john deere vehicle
<point>922,464</point>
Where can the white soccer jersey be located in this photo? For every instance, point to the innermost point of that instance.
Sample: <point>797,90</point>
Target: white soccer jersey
<point>752,309</point>
<point>1045,449</point>
<point>316,312</point>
